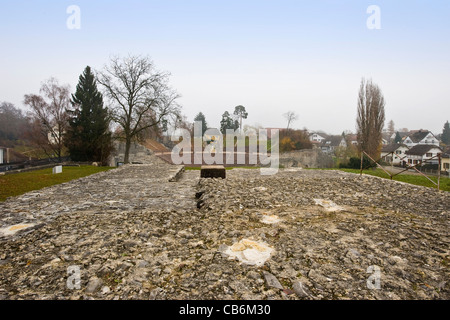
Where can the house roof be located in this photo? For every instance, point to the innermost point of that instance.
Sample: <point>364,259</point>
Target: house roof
<point>334,141</point>
<point>402,133</point>
<point>352,137</point>
<point>392,147</point>
<point>421,149</point>
<point>419,135</point>
<point>386,136</point>
<point>445,155</point>
<point>323,135</point>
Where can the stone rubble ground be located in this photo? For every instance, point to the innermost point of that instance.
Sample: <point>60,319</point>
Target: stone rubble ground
<point>135,235</point>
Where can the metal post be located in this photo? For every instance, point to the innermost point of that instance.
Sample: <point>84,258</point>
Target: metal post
<point>439,170</point>
<point>392,161</point>
<point>362,157</point>
<point>380,166</point>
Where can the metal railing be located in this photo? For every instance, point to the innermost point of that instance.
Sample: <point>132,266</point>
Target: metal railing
<point>408,167</point>
<point>30,163</point>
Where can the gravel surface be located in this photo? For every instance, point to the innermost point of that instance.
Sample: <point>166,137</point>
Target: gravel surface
<point>300,234</point>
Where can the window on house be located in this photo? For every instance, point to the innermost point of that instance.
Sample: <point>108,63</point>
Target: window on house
<point>446,165</point>
<point>429,155</point>
<point>409,161</point>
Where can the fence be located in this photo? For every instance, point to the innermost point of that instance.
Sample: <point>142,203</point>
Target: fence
<point>31,163</point>
<point>408,166</point>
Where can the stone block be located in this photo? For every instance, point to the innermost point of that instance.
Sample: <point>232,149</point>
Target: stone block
<point>213,172</point>
<point>57,169</point>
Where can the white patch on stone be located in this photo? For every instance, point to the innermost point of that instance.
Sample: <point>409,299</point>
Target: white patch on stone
<point>293,169</point>
<point>111,202</point>
<point>249,252</point>
<point>12,230</point>
<point>328,205</point>
<point>106,290</point>
<point>260,189</point>
<point>270,218</point>
<point>54,263</point>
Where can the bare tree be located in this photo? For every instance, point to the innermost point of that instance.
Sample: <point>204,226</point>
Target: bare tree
<point>48,117</point>
<point>290,116</point>
<point>139,95</point>
<point>391,128</point>
<point>370,118</point>
<point>12,124</point>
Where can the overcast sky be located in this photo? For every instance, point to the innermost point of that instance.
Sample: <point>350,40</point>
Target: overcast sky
<point>270,56</point>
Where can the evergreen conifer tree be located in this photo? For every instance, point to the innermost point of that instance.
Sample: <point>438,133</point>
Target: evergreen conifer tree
<point>88,136</point>
<point>398,138</point>
<point>446,134</point>
<point>201,118</point>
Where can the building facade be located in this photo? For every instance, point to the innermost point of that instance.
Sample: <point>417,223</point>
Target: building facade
<point>425,154</point>
<point>395,154</point>
<point>421,137</point>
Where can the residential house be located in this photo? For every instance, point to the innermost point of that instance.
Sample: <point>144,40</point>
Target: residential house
<point>352,139</point>
<point>422,152</point>
<point>385,138</point>
<point>315,137</point>
<point>330,144</point>
<point>54,135</point>
<point>395,154</point>
<point>403,136</point>
<point>445,163</point>
<point>421,137</point>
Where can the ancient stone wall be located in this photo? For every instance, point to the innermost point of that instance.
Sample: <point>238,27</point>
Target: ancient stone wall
<point>306,159</point>
<point>137,153</point>
<point>299,234</point>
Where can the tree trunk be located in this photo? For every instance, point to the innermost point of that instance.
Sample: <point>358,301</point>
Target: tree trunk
<point>240,124</point>
<point>126,159</point>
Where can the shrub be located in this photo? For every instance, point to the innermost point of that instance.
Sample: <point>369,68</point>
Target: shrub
<point>355,163</point>
<point>286,144</point>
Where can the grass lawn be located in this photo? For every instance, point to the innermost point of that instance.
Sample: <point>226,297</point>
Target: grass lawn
<point>408,178</point>
<point>19,183</point>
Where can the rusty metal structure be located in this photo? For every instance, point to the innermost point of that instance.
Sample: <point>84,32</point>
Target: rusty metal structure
<point>408,167</point>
